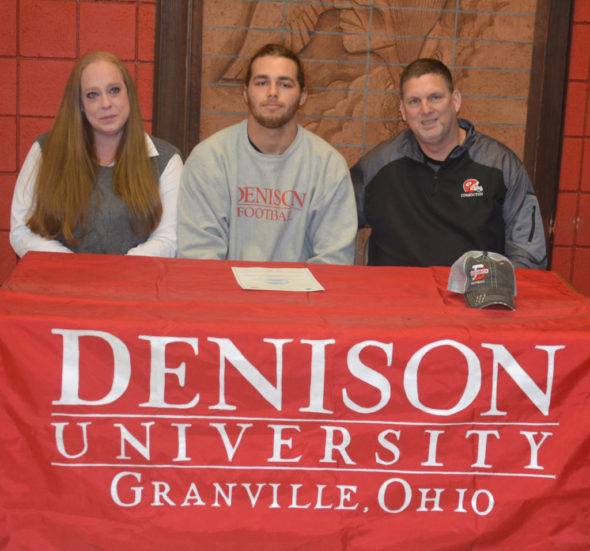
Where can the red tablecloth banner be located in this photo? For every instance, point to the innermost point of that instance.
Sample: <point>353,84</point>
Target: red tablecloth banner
<point>154,404</point>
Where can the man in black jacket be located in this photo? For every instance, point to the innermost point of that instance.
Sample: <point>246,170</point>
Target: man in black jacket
<point>440,188</point>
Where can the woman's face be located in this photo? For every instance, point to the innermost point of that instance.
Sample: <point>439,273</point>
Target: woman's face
<point>105,101</point>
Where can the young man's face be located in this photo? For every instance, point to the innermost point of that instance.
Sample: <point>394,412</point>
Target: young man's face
<point>430,109</point>
<point>273,94</point>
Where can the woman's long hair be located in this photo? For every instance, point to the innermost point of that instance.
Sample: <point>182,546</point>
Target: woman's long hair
<point>68,169</point>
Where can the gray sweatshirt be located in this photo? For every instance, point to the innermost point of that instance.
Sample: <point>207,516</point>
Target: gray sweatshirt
<point>239,204</point>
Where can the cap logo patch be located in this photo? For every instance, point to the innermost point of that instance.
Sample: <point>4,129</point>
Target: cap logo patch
<point>478,272</point>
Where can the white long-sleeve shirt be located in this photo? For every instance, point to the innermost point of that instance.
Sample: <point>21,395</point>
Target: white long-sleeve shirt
<point>161,242</point>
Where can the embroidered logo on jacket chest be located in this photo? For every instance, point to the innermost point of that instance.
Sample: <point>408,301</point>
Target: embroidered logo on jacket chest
<point>472,188</point>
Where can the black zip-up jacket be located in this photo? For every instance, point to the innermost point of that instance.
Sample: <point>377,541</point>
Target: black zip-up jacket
<point>421,214</point>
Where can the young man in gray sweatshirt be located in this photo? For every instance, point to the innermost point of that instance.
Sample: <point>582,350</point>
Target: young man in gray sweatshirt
<point>266,189</point>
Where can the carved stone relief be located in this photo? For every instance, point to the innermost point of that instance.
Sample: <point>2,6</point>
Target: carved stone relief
<point>353,53</point>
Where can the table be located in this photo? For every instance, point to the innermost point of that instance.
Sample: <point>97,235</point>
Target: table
<point>154,404</point>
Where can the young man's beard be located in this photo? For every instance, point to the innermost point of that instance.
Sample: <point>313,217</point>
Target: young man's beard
<point>275,121</point>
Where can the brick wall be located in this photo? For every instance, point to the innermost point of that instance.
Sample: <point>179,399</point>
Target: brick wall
<point>571,248</point>
<point>41,40</point>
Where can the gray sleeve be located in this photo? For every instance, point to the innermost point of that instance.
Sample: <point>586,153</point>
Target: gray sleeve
<point>333,226</point>
<point>370,164</point>
<point>203,207</point>
<point>525,237</point>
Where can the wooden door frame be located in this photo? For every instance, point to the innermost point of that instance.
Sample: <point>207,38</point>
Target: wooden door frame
<point>177,89</point>
<point>177,72</point>
<point>546,105</point>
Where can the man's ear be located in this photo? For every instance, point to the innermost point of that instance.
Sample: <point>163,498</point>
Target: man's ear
<point>456,100</point>
<point>303,97</point>
<point>402,110</point>
<point>245,94</point>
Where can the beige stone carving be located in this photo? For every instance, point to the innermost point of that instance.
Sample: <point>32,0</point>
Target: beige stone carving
<point>353,53</point>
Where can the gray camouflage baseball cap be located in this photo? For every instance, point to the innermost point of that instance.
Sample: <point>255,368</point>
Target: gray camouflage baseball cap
<point>485,278</point>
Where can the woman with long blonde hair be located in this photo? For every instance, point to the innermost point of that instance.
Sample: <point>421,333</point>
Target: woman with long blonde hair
<point>97,183</point>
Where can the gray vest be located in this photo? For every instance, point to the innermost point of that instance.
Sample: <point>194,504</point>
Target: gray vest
<point>109,229</point>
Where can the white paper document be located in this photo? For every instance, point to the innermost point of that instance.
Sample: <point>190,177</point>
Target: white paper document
<point>276,279</point>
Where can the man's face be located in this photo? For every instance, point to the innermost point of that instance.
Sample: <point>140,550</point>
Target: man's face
<point>430,109</point>
<point>273,94</point>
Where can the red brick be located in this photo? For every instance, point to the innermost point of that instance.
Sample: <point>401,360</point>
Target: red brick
<point>581,281</point>
<point>47,29</point>
<point>8,257</point>
<point>566,219</point>
<point>42,83</point>
<point>6,188</point>
<point>582,11</point>
<point>132,70</point>
<point>8,21</point>
<point>145,89</point>
<point>30,128</point>
<point>585,180</point>
<point>580,52</point>
<point>108,26</point>
<point>583,233</point>
<point>8,88</point>
<point>575,109</point>
<point>571,160</point>
<point>146,35</point>
<point>561,262</point>
<point>8,141</point>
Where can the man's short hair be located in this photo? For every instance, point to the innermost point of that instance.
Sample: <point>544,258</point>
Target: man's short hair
<point>426,66</point>
<point>277,50</point>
